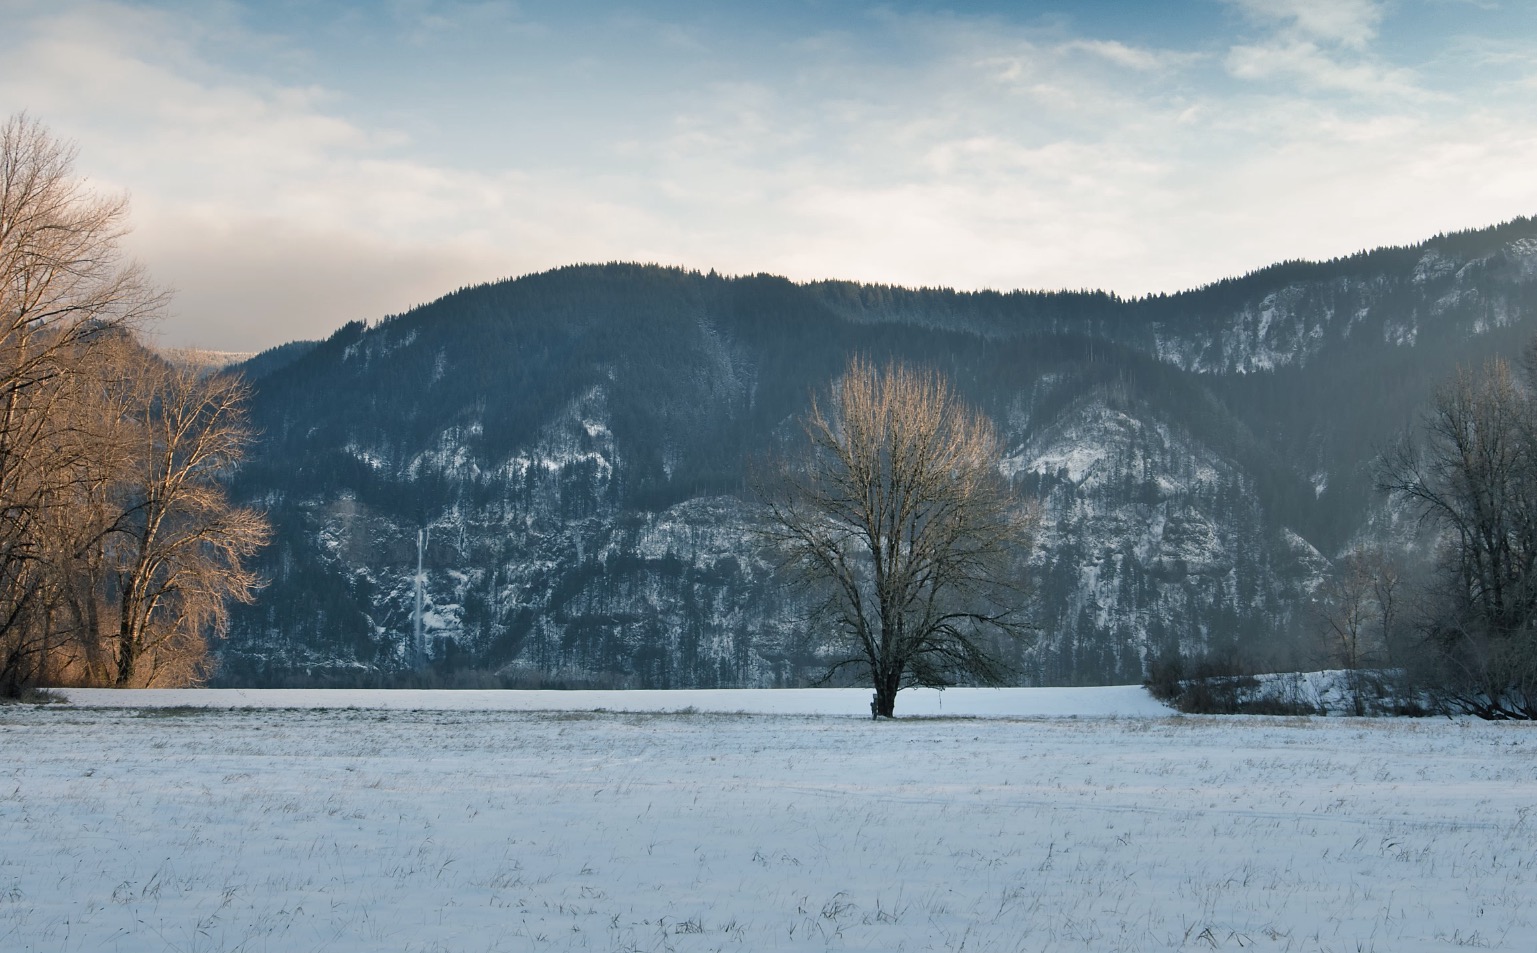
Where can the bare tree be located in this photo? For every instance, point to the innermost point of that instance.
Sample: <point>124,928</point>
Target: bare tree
<point>118,546</point>
<point>1472,475</point>
<point>88,463</point>
<point>1357,608</point>
<point>179,545</point>
<point>896,515</point>
<point>37,471</point>
<point>63,289</point>
<point>1388,594</point>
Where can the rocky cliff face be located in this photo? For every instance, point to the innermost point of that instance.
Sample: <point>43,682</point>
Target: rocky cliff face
<point>577,445</point>
<point>1154,540</point>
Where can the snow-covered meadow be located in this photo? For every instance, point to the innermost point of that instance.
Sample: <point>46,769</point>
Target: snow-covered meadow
<point>429,823</point>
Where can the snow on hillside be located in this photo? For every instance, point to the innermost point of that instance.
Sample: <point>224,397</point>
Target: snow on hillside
<point>365,829</point>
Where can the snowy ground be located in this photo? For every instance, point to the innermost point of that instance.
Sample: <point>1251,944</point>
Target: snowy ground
<point>317,827</point>
<point>980,702</point>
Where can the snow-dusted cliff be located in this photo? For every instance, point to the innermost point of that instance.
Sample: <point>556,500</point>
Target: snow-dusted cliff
<point>578,445</point>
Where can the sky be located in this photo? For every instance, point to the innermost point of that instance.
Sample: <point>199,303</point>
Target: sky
<point>294,165</point>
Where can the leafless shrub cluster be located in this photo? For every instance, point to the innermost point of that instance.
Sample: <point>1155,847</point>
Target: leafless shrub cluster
<point>896,515</point>
<point>1360,607</point>
<point>118,547</point>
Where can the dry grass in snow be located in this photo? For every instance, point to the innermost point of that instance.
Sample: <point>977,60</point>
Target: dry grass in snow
<point>191,829</point>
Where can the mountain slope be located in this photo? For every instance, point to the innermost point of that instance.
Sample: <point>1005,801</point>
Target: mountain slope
<point>577,444</point>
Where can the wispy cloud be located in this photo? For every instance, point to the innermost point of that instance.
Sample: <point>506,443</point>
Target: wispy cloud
<point>1322,45</point>
<point>1142,59</point>
<point>1316,68</point>
<point>1352,24</point>
<point>428,20</point>
<point>283,190</point>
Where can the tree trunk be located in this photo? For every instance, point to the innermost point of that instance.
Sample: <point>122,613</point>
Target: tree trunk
<point>885,702</point>
<point>127,643</point>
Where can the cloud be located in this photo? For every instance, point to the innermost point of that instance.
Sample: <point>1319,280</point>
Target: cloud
<point>1141,59</point>
<point>270,214</point>
<point>1348,23</point>
<point>1316,69</point>
<point>427,20</point>
<point>906,148</point>
<point>1322,45</point>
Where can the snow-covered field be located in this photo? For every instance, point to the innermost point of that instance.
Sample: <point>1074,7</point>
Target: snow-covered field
<point>1121,700</point>
<point>428,825</point>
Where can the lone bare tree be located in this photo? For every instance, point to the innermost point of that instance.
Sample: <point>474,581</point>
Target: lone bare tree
<point>897,517</point>
<point>1472,475</point>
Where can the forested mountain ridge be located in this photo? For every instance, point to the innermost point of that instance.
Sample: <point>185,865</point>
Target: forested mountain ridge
<point>576,445</point>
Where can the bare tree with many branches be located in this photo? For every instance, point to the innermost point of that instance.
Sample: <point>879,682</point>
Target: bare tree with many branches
<point>1358,608</point>
<point>178,545</point>
<point>64,291</point>
<point>118,547</point>
<point>897,516</point>
<point>1472,475</point>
